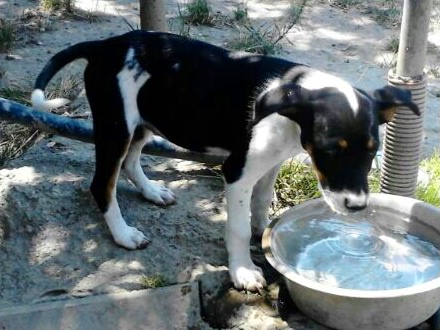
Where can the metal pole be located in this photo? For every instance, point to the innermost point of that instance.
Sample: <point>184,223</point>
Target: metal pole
<point>413,38</point>
<point>404,134</point>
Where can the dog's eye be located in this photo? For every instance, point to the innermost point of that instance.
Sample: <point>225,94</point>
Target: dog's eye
<point>333,146</point>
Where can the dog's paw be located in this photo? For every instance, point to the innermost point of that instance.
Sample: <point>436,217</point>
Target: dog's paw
<point>158,195</point>
<point>132,239</point>
<point>249,278</point>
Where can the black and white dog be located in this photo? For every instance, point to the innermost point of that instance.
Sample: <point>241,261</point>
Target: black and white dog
<point>258,110</point>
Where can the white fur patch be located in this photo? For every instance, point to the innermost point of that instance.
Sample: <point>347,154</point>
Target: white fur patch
<point>124,235</point>
<point>131,78</point>
<point>40,102</point>
<point>274,139</point>
<point>317,80</point>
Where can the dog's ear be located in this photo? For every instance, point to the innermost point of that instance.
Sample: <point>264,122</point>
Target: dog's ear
<point>286,99</point>
<point>389,98</point>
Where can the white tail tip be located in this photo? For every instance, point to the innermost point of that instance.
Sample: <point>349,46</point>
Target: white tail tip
<point>39,101</point>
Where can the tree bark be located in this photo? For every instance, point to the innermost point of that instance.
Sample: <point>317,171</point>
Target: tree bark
<point>153,15</point>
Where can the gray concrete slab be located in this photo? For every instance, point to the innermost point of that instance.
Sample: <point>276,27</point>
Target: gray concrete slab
<point>172,307</point>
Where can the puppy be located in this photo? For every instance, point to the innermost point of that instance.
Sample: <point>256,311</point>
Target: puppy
<point>257,110</point>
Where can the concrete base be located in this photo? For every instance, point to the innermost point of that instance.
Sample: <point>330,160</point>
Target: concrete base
<point>172,307</point>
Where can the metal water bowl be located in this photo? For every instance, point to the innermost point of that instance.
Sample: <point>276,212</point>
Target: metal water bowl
<point>343,308</point>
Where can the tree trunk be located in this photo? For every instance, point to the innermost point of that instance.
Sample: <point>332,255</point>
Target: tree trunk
<point>153,15</point>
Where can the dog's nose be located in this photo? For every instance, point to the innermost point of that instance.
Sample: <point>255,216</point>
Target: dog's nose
<point>356,202</point>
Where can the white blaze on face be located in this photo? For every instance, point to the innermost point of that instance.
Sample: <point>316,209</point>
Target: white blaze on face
<point>317,80</point>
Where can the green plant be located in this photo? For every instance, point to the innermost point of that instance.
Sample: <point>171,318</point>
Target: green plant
<point>50,4</point>
<point>15,138</point>
<point>433,71</point>
<point>296,9</point>
<point>263,40</point>
<point>240,14</point>
<point>374,180</point>
<point>197,12</point>
<point>67,87</point>
<point>393,44</point>
<point>429,191</point>
<point>255,40</point>
<point>346,4</point>
<point>16,93</point>
<point>66,5</point>
<point>385,12</point>
<point>7,35</point>
<point>389,61</point>
<point>295,184</point>
<point>152,282</point>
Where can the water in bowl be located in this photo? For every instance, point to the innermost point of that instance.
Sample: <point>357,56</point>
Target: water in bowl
<point>356,254</point>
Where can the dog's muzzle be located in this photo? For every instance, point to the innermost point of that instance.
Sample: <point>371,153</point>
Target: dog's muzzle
<point>345,201</point>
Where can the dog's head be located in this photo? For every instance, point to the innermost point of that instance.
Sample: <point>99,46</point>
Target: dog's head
<point>340,131</point>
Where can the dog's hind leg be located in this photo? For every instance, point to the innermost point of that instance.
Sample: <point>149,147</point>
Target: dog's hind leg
<point>262,196</point>
<point>114,121</point>
<point>109,158</point>
<point>151,191</point>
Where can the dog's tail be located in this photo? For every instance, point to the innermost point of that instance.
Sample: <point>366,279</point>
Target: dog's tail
<point>55,64</point>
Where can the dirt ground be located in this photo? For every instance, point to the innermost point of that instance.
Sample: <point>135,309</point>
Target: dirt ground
<point>53,242</point>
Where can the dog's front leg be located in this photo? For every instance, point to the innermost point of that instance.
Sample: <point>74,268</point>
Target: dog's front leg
<point>244,274</point>
<point>262,197</point>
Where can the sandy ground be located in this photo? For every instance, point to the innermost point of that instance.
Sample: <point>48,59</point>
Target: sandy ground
<point>53,242</point>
